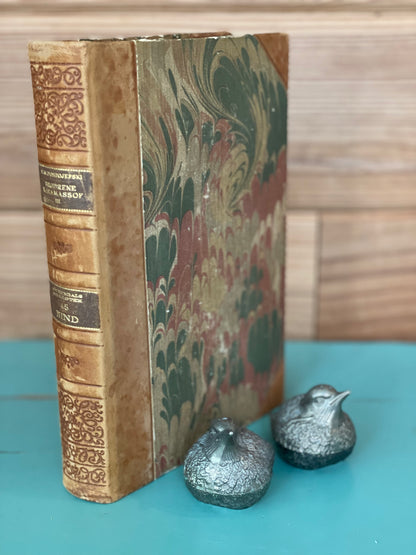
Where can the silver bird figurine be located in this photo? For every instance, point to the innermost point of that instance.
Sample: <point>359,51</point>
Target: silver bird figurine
<point>312,430</point>
<point>229,466</point>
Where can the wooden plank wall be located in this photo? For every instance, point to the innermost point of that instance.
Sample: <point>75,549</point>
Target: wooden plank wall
<point>351,249</point>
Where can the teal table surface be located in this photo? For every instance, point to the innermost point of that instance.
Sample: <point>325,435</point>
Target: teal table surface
<point>365,504</point>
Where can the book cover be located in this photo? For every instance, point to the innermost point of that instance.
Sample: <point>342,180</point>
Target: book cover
<point>163,170</point>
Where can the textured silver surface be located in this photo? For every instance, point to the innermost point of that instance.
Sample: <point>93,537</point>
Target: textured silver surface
<point>229,466</point>
<point>312,430</point>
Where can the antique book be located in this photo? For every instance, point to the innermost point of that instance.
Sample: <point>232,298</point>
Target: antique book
<point>162,165</point>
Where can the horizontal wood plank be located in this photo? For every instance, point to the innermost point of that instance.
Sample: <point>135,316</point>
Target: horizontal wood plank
<point>24,290</point>
<point>368,275</point>
<point>352,103</point>
<point>217,5</point>
<point>302,255</point>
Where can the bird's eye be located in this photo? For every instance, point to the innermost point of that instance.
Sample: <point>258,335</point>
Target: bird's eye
<point>319,400</point>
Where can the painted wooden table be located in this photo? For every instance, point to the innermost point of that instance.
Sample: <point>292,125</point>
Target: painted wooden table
<point>366,504</point>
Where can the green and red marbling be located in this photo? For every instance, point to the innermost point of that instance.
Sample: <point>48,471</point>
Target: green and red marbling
<point>213,124</point>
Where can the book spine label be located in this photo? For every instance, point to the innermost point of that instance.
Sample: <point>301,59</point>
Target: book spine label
<point>75,308</point>
<point>66,189</point>
<point>59,78</point>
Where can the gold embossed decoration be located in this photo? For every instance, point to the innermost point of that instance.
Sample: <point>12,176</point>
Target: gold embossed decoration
<point>82,438</point>
<point>47,75</point>
<point>68,361</point>
<point>59,106</point>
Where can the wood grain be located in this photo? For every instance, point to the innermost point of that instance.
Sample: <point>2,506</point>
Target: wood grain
<point>368,275</point>
<point>352,152</point>
<point>302,258</point>
<point>24,290</point>
<point>352,109</point>
<point>213,5</point>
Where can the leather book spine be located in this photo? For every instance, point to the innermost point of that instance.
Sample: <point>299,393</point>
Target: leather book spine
<point>105,417</point>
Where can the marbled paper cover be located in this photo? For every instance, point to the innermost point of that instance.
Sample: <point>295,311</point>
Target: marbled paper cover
<point>213,141</point>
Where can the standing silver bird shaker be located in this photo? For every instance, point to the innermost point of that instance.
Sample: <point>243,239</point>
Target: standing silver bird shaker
<point>229,466</point>
<point>312,430</point>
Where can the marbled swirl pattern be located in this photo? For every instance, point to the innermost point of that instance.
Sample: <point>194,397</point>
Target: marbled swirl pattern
<point>213,121</point>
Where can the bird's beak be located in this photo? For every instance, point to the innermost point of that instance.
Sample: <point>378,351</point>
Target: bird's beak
<point>337,400</point>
